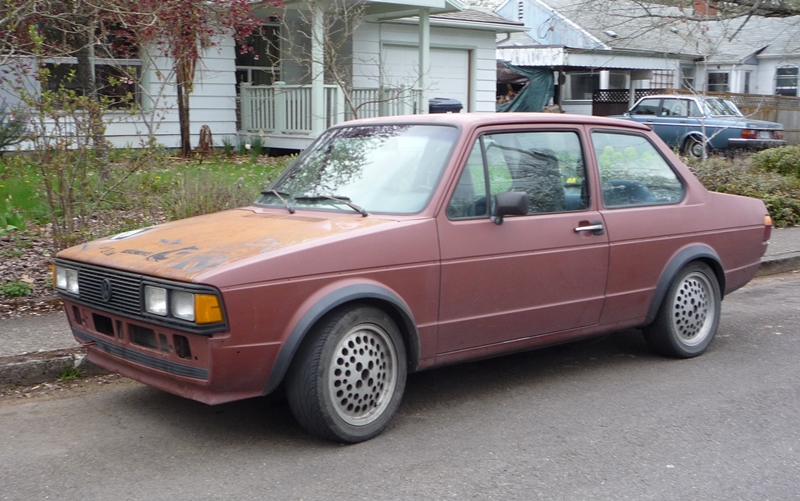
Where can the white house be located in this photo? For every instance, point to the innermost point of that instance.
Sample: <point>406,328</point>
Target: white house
<point>403,53</point>
<point>627,44</point>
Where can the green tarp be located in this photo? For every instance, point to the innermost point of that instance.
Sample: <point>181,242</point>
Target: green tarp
<point>535,95</point>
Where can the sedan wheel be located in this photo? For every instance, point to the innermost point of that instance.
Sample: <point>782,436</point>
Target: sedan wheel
<point>348,379</point>
<point>693,147</point>
<point>688,318</point>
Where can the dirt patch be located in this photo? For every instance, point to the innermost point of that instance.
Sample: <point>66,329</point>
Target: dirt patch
<point>27,256</point>
<point>64,389</point>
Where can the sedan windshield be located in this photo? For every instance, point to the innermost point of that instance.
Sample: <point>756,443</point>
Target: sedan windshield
<point>380,168</point>
<point>722,108</point>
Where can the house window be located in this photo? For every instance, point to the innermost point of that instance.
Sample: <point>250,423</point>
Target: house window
<point>116,80</point>
<point>617,80</point>
<point>786,81</point>
<point>687,77</point>
<point>662,79</point>
<point>580,86</point>
<point>258,59</point>
<point>747,82</point>
<point>718,81</point>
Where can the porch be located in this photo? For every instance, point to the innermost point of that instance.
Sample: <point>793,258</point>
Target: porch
<point>284,113</point>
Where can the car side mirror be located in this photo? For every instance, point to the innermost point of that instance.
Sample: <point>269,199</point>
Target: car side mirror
<point>510,203</point>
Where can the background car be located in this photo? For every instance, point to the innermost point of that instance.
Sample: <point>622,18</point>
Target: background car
<point>686,122</point>
<point>400,244</point>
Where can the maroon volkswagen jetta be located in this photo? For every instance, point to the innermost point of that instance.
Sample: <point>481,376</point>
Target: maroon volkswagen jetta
<point>400,244</point>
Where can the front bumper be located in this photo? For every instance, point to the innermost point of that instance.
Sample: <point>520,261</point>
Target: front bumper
<point>209,369</point>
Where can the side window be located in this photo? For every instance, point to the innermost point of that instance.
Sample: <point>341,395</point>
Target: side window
<point>675,108</point>
<point>548,166</point>
<point>632,172</point>
<point>694,110</point>
<point>646,107</point>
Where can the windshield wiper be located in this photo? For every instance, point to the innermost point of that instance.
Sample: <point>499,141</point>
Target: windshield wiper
<point>278,194</point>
<point>336,198</point>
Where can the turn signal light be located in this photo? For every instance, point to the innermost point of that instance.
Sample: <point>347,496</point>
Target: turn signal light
<point>767,227</point>
<point>749,134</point>
<point>207,309</point>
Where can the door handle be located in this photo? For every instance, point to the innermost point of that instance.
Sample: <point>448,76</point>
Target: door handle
<point>595,227</point>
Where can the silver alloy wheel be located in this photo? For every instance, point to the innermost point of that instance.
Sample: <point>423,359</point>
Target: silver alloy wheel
<point>363,374</point>
<point>693,311</point>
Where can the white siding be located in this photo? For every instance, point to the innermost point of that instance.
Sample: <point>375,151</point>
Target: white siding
<point>212,102</point>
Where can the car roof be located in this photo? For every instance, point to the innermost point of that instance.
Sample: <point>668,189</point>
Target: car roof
<point>472,120</point>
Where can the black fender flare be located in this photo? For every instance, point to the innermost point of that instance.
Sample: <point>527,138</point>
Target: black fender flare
<point>347,294</point>
<point>679,260</point>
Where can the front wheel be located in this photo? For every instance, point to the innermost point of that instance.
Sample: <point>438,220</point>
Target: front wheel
<point>689,316</point>
<point>347,380</point>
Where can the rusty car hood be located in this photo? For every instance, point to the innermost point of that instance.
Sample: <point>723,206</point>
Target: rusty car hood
<point>181,250</point>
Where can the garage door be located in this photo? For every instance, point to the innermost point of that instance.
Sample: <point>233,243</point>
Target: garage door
<point>449,75</point>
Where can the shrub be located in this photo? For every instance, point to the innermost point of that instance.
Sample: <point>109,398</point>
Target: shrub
<point>16,289</point>
<point>781,194</point>
<point>200,192</point>
<point>784,160</point>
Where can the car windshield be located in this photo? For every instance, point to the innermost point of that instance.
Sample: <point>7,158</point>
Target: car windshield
<point>722,108</point>
<point>380,168</point>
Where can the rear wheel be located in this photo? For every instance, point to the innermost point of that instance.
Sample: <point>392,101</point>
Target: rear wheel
<point>348,378</point>
<point>689,316</point>
<point>693,147</point>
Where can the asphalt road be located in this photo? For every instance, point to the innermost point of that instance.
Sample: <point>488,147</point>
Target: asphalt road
<point>604,419</point>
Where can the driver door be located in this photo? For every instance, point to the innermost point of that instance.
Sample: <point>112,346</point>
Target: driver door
<point>532,275</point>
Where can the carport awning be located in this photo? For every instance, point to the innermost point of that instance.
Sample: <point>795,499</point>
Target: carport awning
<point>560,56</point>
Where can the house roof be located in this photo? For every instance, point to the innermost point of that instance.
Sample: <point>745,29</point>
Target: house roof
<point>629,24</point>
<point>476,15</point>
<point>473,18</point>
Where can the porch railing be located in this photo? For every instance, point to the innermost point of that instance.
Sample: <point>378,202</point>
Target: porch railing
<point>286,109</point>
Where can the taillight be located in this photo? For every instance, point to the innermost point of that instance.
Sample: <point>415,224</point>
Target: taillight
<point>767,227</point>
<point>777,134</point>
<point>749,134</point>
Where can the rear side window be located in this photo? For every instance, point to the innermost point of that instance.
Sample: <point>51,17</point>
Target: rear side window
<point>632,171</point>
<point>546,165</point>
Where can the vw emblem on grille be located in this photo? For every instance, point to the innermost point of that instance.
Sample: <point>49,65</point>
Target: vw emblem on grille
<point>106,289</point>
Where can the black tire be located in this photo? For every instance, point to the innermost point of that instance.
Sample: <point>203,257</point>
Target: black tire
<point>693,147</point>
<point>689,315</point>
<point>348,377</point>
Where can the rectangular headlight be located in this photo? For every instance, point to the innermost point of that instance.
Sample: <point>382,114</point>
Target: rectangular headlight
<point>67,279</point>
<point>155,300</point>
<point>182,305</point>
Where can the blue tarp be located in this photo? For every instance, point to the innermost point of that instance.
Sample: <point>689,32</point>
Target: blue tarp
<point>535,95</point>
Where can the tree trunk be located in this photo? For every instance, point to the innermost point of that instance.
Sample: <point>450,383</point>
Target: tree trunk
<point>184,83</point>
<point>85,75</point>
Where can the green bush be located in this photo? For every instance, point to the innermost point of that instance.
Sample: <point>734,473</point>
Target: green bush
<point>781,194</point>
<point>784,160</point>
<point>16,289</point>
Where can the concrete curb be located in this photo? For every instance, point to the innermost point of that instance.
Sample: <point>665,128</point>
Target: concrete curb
<point>45,366</point>
<point>782,264</point>
<point>35,368</point>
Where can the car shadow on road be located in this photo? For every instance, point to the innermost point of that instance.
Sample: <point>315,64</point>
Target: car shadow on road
<point>434,393</point>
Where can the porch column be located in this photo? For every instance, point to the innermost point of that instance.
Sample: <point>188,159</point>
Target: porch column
<point>424,60</point>
<point>631,90</point>
<point>317,71</point>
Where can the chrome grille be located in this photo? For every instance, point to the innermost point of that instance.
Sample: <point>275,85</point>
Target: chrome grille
<point>125,289</point>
